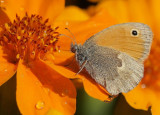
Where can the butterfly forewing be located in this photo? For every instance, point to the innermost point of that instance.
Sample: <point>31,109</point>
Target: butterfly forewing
<point>121,37</point>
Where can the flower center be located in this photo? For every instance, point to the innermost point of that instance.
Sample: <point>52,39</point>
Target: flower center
<point>29,37</point>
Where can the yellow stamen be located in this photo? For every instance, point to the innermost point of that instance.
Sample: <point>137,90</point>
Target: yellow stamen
<point>7,26</point>
<point>18,56</point>
<point>18,37</point>
<point>28,37</point>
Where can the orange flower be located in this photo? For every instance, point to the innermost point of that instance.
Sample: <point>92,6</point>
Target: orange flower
<point>24,46</point>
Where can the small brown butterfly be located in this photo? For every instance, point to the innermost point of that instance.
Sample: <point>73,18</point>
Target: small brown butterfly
<point>114,57</point>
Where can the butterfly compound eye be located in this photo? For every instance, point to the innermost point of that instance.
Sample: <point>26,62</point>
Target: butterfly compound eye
<point>74,47</point>
<point>134,32</point>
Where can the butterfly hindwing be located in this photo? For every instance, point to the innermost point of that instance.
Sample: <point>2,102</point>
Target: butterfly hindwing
<point>114,70</point>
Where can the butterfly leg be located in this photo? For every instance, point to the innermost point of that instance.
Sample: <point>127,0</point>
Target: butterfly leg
<point>82,66</point>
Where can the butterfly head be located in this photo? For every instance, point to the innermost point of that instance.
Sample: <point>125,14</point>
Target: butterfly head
<point>80,52</point>
<point>74,47</point>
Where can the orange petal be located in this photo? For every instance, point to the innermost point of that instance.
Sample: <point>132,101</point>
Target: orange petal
<point>118,9</point>
<point>128,10</point>
<point>14,7</point>
<point>155,16</point>
<point>140,98</point>
<point>73,13</point>
<point>51,8</point>
<point>40,88</point>
<point>68,67</point>
<point>46,8</point>
<point>155,107</point>
<point>58,84</point>
<point>143,98</point>
<point>7,69</point>
<point>140,11</point>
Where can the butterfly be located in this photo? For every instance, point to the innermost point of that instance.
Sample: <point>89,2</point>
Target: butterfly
<point>114,56</point>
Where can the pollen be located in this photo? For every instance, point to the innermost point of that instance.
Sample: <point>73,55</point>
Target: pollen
<point>17,56</point>
<point>29,37</point>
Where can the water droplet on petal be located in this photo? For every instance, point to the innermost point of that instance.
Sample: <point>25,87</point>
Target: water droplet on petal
<point>64,93</point>
<point>65,102</point>
<point>2,4</point>
<point>5,70</point>
<point>40,105</point>
<point>67,23</point>
<point>47,90</point>
<point>143,86</point>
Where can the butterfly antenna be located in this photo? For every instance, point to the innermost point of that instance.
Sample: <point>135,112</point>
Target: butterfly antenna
<point>68,37</point>
<point>74,38</point>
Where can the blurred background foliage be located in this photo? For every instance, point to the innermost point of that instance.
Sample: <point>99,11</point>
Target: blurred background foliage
<point>86,105</point>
